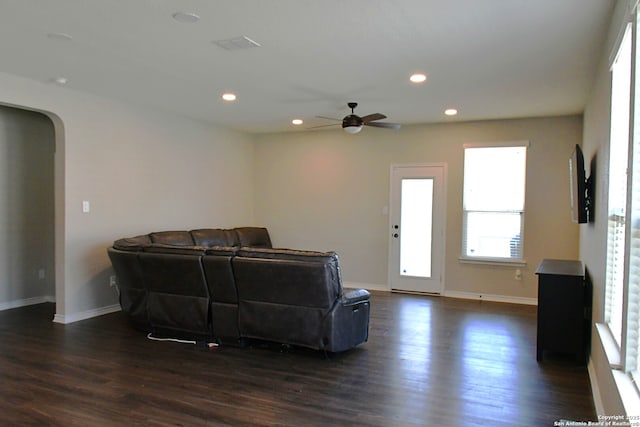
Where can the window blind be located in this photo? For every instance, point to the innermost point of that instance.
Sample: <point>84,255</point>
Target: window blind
<point>493,202</point>
<point>631,351</point>
<point>615,275</point>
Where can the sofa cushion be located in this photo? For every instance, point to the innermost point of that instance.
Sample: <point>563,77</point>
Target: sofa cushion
<point>132,243</point>
<point>255,237</point>
<point>215,237</point>
<point>177,238</point>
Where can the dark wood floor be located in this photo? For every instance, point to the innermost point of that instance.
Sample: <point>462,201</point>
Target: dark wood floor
<point>429,362</point>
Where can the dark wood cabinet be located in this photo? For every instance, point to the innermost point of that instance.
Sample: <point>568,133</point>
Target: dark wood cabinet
<point>564,309</point>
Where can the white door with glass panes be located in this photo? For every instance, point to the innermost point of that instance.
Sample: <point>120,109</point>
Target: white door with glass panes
<point>416,228</point>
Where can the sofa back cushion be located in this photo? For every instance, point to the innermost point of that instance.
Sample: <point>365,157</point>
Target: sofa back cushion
<point>289,277</point>
<point>176,238</point>
<point>132,243</point>
<point>215,237</point>
<point>173,273</point>
<point>254,237</point>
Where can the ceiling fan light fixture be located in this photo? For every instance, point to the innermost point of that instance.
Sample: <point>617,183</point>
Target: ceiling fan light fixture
<point>352,123</point>
<point>352,129</point>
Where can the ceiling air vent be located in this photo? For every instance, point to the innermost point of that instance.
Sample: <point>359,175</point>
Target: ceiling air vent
<point>237,43</point>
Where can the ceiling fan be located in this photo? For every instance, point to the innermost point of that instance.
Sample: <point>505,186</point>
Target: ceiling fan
<point>354,123</point>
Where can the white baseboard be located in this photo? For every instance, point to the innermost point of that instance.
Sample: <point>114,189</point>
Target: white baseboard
<point>595,388</point>
<point>26,301</point>
<point>367,286</point>
<point>490,297</point>
<point>83,315</point>
<point>451,294</point>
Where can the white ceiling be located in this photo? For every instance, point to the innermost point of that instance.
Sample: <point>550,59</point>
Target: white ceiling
<point>487,58</point>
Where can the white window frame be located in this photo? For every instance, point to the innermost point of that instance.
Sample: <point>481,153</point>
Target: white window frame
<point>619,186</point>
<point>624,356</point>
<point>630,351</point>
<point>464,258</point>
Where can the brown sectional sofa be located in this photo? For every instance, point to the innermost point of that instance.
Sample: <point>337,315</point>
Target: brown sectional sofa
<point>231,285</point>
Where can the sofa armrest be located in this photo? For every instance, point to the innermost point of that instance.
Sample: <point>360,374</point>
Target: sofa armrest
<point>355,296</point>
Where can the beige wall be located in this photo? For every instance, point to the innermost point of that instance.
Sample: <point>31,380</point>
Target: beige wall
<point>327,191</point>
<point>26,208</point>
<point>141,170</point>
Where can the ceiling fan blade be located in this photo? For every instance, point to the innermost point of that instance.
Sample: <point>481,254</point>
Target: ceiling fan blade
<point>323,126</point>
<point>371,117</point>
<point>329,118</point>
<point>384,125</point>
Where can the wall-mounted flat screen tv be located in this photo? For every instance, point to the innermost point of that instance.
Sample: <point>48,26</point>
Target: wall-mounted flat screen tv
<point>578,184</point>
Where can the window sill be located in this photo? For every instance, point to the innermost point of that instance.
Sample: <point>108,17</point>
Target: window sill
<point>627,389</point>
<point>628,393</point>
<point>502,262</point>
<point>610,346</point>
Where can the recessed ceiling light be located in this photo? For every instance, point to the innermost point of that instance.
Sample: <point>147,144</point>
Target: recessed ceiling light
<point>418,78</point>
<point>229,96</point>
<point>186,17</point>
<point>451,112</point>
<point>297,122</point>
<point>60,81</point>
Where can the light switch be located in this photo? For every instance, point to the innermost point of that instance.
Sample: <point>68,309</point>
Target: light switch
<point>86,206</point>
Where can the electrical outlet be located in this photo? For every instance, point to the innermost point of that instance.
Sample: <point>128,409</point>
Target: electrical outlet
<point>41,273</point>
<point>113,281</point>
<point>518,274</point>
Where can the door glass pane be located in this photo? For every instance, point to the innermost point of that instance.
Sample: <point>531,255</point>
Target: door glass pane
<point>416,217</point>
